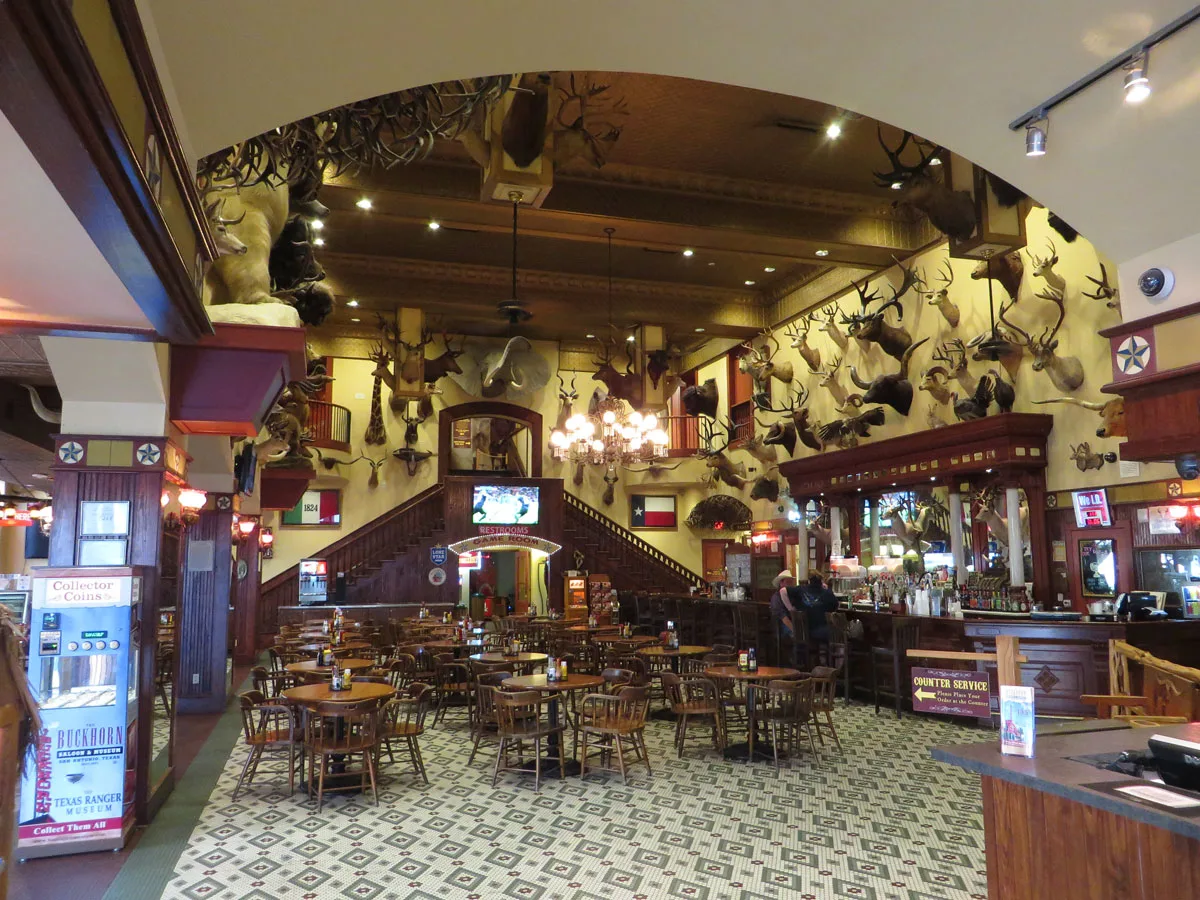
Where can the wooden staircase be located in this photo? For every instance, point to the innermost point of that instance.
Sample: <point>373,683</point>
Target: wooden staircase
<point>631,563</point>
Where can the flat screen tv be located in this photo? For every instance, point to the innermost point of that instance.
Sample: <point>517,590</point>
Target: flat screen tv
<point>499,504</point>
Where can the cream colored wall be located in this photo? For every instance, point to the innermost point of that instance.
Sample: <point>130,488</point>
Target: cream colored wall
<point>1077,337</point>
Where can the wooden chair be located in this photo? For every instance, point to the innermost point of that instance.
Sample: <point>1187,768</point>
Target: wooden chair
<point>402,671</point>
<point>906,635</point>
<point>335,733</point>
<point>271,684</point>
<point>164,677</point>
<point>520,720</point>
<point>268,728</point>
<point>403,719</point>
<point>616,678</point>
<point>694,701</point>
<point>824,681</point>
<point>784,707</point>
<point>372,679</point>
<point>731,692</point>
<point>453,683</point>
<point>615,721</point>
<point>484,727</point>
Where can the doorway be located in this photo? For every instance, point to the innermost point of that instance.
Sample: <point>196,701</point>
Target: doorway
<point>516,581</point>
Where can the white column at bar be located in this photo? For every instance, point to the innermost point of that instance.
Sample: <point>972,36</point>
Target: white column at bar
<point>1016,542</point>
<point>801,549</point>
<point>874,531</point>
<point>956,538</point>
<point>835,531</point>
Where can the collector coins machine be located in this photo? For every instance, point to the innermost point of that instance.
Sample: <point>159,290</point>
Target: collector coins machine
<point>77,793</point>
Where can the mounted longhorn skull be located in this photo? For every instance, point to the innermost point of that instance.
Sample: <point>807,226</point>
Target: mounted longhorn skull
<point>1111,412</point>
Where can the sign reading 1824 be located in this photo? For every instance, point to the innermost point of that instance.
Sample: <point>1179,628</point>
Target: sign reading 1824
<point>951,692</point>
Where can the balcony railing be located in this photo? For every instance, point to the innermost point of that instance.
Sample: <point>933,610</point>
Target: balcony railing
<point>329,425</point>
<point>683,434</point>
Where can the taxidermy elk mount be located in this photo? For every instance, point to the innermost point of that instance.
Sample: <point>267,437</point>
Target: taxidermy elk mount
<point>798,332</point>
<point>871,327</point>
<point>720,467</point>
<point>702,400</point>
<point>950,212</point>
<point>586,122</point>
<point>1065,371</point>
<point>445,363</point>
<point>795,424</point>
<point>892,389</point>
<point>1085,459</point>
<point>940,298</point>
<point>1112,413</point>
<point>625,385</point>
<point>757,363</point>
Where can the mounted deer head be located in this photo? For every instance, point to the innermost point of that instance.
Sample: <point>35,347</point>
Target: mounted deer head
<point>414,354</point>
<point>794,425</point>
<point>940,298</point>
<point>1008,269</point>
<point>719,465</point>
<point>1066,372</point>
<point>829,381</point>
<point>830,327</point>
<point>950,212</point>
<point>870,327</point>
<point>445,364</point>
<point>798,332</point>
<point>1109,293</point>
<point>1043,267</point>
<point>566,397</point>
<point>758,362</point>
<point>610,484</point>
<point>658,364</point>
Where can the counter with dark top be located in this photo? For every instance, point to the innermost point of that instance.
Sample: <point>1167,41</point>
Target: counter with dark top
<point>1048,834</point>
<point>1065,659</point>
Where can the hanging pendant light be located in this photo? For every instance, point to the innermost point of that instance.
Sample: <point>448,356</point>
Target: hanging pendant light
<point>512,309</point>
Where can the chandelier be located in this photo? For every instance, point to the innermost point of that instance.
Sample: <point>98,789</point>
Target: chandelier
<point>612,435</point>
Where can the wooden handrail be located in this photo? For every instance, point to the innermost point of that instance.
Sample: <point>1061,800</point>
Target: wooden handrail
<point>630,539</point>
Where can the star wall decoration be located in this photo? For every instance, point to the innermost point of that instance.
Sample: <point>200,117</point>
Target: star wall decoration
<point>71,452</point>
<point>1133,355</point>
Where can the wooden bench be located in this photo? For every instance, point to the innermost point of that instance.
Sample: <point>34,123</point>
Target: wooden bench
<point>1147,690</point>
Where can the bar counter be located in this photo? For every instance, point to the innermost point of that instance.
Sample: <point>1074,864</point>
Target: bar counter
<point>1048,834</point>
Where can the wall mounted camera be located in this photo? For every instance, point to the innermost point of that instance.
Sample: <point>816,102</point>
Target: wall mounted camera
<point>1188,466</point>
<point>1156,283</point>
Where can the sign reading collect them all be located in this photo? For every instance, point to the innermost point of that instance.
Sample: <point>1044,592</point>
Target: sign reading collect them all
<point>951,692</point>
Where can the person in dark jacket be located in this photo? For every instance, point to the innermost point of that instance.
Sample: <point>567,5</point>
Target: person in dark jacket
<point>818,600</point>
<point>784,605</point>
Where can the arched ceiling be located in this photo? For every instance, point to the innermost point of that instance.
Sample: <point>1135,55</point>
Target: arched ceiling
<point>953,72</point>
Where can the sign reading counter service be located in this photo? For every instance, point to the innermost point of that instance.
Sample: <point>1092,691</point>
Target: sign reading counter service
<point>950,692</point>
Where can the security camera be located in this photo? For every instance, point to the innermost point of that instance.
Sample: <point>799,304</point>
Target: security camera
<point>1156,283</point>
<point>1188,466</point>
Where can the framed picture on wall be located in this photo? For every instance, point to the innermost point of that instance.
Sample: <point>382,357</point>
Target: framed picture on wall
<point>320,507</point>
<point>652,511</point>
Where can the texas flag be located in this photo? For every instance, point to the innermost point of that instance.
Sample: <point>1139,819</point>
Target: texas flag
<point>315,508</point>
<point>651,512</point>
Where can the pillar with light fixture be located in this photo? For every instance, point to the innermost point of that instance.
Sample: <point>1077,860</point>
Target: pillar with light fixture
<point>246,590</point>
<point>203,635</point>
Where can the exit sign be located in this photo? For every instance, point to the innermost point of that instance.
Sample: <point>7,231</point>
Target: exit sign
<point>1091,508</point>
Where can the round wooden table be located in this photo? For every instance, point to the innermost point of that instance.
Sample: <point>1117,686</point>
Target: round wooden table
<point>310,667</point>
<point>674,655</point>
<point>325,645</point>
<point>312,694</point>
<point>632,639</point>
<point>573,682</point>
<point>760,751</point>
<point>495,656</point>
<point>455,647</point>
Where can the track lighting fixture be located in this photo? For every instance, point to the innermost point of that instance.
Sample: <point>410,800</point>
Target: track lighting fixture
<point>1137,82</point>
<point>1035,138</point>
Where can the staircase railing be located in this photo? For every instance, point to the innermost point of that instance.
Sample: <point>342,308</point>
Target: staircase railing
<point>625,547</point>
<point>358,551</point>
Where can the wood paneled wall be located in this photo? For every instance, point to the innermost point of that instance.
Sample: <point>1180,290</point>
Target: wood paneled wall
<point>246,594</point>
<point>458,506</point>
<point>203,634</point>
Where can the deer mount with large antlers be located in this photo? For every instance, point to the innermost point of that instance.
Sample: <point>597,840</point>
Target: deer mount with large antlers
<point>950,212</point>
<point>871,327</point>
<point>627,385</point>
<point>720,467</point>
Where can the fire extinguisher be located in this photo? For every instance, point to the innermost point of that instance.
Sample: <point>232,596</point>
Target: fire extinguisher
<point>487,606</point>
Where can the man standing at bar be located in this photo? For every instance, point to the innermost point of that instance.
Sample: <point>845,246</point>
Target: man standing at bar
<point>818,600</point>
<point>783,608</point>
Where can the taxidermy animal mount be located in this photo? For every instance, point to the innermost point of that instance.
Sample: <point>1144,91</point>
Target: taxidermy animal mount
<point>586,123</point>
<point>870,327</point>
<point>228,243</point>
<point>830,326</point>
<point>758,364</point>
<point>610,484</point>
<point>625,385</point>
<point>291,261</point>
<point>940,298</point>
<point>702,400</point>
<point>1085,459</point>
<point>1112,412</point>
<point>1043,267</point>
<point>412,365</point>
<point>255,216</point>
<point>1008,269</point>
<point>797,331</point>
<point>845,432</point>
<point>950,212</point>
<point>376,433</point>
<point>445,363</point>
<point>1109,293</point>
<point>795,425</point>
<point>566,399</point>
<point>719,465</point>
<point>1065,371</point>
<point>376,465</point>
<point>766,487</point>
<point>893,389</point>
<point>658,364</point>
<point>829,380</point>
<point>43,412</point>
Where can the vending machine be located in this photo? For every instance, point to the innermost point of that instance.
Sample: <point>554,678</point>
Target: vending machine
<point>314,581</point>
<point>84,638</point>
<point>575,596</point>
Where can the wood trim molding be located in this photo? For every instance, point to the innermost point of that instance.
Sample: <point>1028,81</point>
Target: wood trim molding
<point>495,409</point>
<point>1135,325</point>
<point>53,96</point>
<point>1131,386</point>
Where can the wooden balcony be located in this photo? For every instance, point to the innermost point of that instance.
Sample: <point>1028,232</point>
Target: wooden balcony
<point>328,426</point>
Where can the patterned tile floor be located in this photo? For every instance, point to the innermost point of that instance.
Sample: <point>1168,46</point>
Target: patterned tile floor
<point>881,821</point>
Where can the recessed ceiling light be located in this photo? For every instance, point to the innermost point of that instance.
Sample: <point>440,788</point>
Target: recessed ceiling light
<point>630,339</point>
<point>822,253</point>
<point>988,471</point>
<point>699,331</point>
<point>363,203</point>
<point>317,224</point>
<point>749,281</point>
<point>935,160</point>
<point>688,252</point>
<point>39,475</point>
<point>933,478</point>
<point>768,268</point>
<point>352,303</point>
<point>896,185</point>
<point>833,131</point>
<point>356,320</point>
<point>434,225</point>
<point>589,336</point>
<point>712,263</point>
<point>319,242</point>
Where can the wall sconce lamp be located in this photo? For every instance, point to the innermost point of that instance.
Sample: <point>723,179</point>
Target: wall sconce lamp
<point>243,527</point>
<point>266,542</point>
<point>191,502</point>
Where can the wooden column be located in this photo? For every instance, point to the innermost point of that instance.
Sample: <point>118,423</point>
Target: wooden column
<point>1039,542</point>
<point>203,633</point>
<point>246,591</point>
